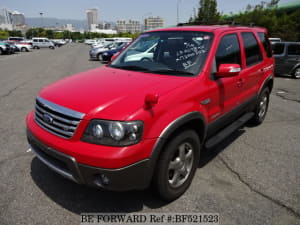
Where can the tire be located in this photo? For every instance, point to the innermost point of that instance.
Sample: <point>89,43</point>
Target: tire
<point>99,57</point>
<point>23,49</point>
<point>177,165</point>
<point>36,47</point>
<point>1,51</point>
<point>296,73</point>
<point>51,47</point>
<point>261,107</point>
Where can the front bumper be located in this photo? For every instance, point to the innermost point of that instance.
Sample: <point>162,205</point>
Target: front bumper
<point>133,177</point>
<point>93,55</point>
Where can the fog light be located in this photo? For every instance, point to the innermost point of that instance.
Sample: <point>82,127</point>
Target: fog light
<point>132,137</point>
<point>101,180</point>
<point>105,179</point>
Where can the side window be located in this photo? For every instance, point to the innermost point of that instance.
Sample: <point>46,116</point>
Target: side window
<point>35,40</point>
<point>278,48</point>
<point>46,40</point>
<point>40,40</point>
<point>294,49</point>
<point>228,51</point>
<point>252,50</point>
<point>265,41</point>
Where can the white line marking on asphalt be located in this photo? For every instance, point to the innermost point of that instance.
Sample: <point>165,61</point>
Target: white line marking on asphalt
<point>29,150</point>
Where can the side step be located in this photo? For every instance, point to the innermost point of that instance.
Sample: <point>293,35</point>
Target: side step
<point>216,139</point>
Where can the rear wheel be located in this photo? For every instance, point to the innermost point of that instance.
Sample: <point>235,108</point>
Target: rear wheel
<point>261,108</point>
<point>177,165</point>
<point>23,49</point>
<point>296,73</point>
<point>1,51</point>
<point>99,56</point>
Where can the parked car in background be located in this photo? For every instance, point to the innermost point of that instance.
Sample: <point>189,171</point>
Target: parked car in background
<point>95,53</point>
<point>16,39</point>
<point>58,42</point>
<point>104,41</point>
<point>38,42</point>
<point>23,46</point>
<point>5,48</point>
<point>142,53</point>
<point>106,55</point>
<point>13,47</point>
<point>287,58</point>
<point>273,40</point>
<point>90,41</point>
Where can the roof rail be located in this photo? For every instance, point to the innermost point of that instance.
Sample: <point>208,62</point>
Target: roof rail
<point>229,23</point>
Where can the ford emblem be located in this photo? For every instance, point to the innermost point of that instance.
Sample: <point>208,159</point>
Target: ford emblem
<point>47,118</point>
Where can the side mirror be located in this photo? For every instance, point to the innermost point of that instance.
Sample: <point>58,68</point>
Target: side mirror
<point>115,56</point>
<point>228,70</point>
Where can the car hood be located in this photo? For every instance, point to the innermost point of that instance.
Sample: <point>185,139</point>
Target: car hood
<point>109,93</point>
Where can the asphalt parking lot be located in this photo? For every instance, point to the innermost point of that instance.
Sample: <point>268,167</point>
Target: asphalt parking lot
<point>251,178</point>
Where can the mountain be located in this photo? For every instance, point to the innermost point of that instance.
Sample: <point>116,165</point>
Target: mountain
<point>51,22</point>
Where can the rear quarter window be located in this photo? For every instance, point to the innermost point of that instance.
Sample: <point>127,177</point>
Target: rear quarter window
<point>252,50</point>
<point>266,43</point>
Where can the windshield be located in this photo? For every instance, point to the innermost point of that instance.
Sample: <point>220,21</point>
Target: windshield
<point>181,53</point>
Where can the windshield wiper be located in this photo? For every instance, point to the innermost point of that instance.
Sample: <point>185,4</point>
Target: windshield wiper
<point>134,68</point>
<point>172,72</point>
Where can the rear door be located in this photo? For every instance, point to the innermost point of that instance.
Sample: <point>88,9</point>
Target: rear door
<point>253,66</point>
<point>293,56</point>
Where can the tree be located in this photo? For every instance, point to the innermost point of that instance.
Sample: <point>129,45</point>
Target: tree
<point>4,34</point>
<point>207,12</point>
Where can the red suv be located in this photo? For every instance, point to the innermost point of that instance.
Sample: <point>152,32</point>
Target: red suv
<point>145,117</point>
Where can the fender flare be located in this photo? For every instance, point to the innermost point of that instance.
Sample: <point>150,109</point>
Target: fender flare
<point>294,68</point>
<point>265,83</point>
<point>167,132</point>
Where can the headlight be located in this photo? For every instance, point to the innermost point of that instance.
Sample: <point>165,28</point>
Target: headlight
<point>105,53</point>
<point>113,133</point>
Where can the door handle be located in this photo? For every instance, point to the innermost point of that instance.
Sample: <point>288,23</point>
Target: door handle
<point>240,82</point>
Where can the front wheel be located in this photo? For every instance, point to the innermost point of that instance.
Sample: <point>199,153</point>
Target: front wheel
<point>261,108</point>
<point>23,49</point>
<point>177,165</point>
<point>100,57</point>
<point>296,73</point>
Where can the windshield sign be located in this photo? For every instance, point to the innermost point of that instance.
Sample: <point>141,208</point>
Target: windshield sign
<point>180,53</point>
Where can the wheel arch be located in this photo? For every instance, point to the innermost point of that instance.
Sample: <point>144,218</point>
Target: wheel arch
<point>269,83</point>
<point>193,120</point>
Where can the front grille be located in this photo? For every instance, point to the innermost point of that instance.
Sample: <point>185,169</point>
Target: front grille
<point>56,119</point>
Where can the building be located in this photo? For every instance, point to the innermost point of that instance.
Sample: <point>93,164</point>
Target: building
<point>12,20</point>
<point>7,16</point>
<point>68,27</point>
<point>2,19</point>
<point>92,17</point>
<point>130,26</point>
<point>105,26</point>
<point>18,18</point>
<point>153,23</point>
<point>98,28</point>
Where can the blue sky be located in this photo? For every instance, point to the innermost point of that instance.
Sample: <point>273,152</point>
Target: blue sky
<point>113,10</point>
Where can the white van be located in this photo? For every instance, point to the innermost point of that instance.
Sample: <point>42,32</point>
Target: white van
<point>38,42</point>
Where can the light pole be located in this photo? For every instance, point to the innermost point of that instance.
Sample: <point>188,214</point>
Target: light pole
<point>42,22</point>
<point>178,2</point>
